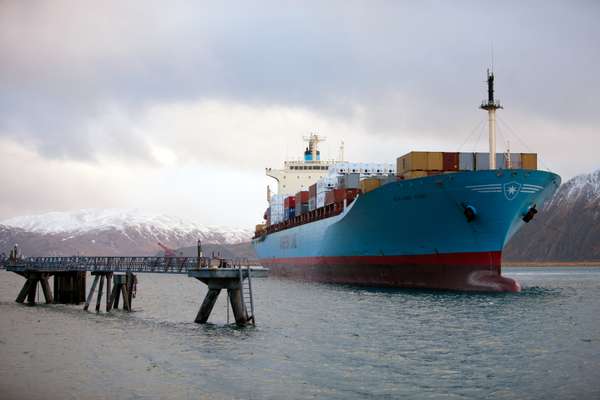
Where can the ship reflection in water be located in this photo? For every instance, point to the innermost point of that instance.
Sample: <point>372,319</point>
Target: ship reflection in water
<point>313,341</point>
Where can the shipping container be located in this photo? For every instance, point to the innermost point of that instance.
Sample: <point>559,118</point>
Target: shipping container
<point>260,229</point>
<point>302,197</point>
<point>291,213</point>
<point>303,209</point>
<point>466,162</point>
<point>515,160</point>
<point>450,161</point>
<point>369,184</point>
<point>435,161</point>
<point>321,199</point>
<point>415,160</point>
<point>312,202</point>
<point>326,183</point>
<point>482,161</point>
<point>289,202</point>
<point>349,181</point>
<point>335,196</point>
<point>529,161</point>
<point>312,191</point>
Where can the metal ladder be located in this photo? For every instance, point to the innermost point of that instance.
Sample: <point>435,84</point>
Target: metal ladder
<point>247,297</point>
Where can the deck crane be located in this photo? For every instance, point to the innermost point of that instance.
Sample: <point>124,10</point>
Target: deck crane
<point>169,252</point>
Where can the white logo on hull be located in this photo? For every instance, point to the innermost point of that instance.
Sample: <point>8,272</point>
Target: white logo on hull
<point>510,189</point>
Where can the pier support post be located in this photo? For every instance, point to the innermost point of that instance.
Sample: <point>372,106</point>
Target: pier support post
<point>29,289</point>
<point>207,306</point>
<point>237,305</point>
<point>69,287</point>
<point>123,286</point>
<point>216,283</point>
<point>99,278</point>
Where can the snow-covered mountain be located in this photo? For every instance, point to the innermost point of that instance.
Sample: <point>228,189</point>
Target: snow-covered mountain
<point>566,229</point>
<point>111,232</point>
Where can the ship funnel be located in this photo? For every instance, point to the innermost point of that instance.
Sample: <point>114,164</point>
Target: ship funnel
<point>313,146</point>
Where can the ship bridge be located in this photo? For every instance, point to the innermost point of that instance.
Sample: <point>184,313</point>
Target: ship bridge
<point>298,175</point>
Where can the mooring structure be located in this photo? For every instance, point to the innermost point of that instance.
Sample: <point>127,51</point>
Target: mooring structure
<point>116,278</point>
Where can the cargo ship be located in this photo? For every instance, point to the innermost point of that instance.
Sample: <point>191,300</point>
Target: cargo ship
<point>434,220</point>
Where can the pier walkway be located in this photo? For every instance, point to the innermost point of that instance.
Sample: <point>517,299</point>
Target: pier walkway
<point>234,275</point>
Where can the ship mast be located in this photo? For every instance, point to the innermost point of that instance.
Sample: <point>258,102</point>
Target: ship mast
<point>313,144</point>
<point>491,106</point>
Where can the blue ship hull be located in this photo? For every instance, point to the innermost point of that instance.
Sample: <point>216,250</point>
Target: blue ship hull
<point>414,233</point>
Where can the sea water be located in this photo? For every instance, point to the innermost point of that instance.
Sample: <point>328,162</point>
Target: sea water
<point>312,341</point>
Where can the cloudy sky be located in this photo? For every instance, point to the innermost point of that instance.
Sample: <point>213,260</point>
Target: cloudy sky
<point>177,107</point>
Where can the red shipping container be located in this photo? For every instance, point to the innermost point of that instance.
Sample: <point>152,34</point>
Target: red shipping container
<point>335,196</point>
<point>450,161</point>
<point>302,197</point>
<point>289,202</point>
<point>351,194</point>
<point>312,191</point>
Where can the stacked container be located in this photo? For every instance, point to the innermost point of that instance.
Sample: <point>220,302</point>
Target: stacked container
<point>418,164</point>
<point>339,195</point>
<point>301,202</point>
<point>529,160</point>
<point>369,184</point>
<point>312,197</point>
<point>277,209</point>
<point>349,181</point>
<point>289,206</point>
<point>450,161</point>
<point>420,161</point>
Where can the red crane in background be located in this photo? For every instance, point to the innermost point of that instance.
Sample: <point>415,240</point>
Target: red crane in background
<point>169,252</point>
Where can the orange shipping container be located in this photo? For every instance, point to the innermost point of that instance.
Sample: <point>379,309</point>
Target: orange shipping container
<point>435,161</point>
<point>529,160</point>
<point>369,184</point>
<point>414,160</point>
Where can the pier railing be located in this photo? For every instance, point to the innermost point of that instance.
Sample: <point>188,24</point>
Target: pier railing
<point>168,265</point>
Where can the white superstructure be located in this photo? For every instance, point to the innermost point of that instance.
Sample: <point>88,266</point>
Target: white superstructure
<point>300,174</point>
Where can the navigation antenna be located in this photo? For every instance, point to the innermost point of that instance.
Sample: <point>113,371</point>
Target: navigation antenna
<point>342,151</point>
<point>491,106</point>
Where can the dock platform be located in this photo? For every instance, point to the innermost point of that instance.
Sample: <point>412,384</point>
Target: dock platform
<point>234,275</point>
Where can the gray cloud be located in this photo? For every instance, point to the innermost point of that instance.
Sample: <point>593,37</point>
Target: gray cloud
<point>417,67</point>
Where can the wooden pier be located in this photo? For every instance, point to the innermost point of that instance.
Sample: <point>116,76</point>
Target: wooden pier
<point>115,278</point>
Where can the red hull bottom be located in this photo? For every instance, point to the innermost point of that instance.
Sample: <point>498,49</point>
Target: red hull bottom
<point>462,271</point>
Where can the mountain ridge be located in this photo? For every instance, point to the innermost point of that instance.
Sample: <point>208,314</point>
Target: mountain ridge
<point>567,228</point>
<point>110,232</point>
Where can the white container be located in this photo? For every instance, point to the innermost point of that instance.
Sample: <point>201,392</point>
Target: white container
<point>321,199</point>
